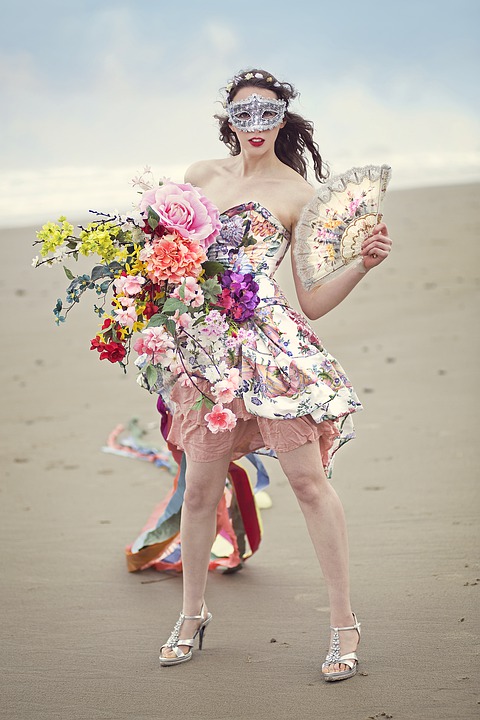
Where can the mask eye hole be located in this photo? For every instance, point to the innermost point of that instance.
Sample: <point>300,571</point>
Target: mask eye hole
<point>243,115</point>
<point>269,115</point>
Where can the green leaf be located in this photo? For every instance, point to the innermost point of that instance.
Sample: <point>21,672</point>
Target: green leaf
<point>211,289</point>
<point>157,320</point>
<point>68,273</point>
<point>100,271</point>
<point>212,268</point>
<point>203,400</point>
<point>199,319</point>
<point>198,404</point>
<point>151,376</point>
<point>171,326</point>
<point>171,305</point>
<point>153,218</point>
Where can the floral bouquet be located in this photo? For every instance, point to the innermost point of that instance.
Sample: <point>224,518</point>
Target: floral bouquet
<point>153,277</point>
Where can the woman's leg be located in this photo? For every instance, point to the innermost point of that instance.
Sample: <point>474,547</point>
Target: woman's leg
<point>326,525</point>
<point>205,483</point>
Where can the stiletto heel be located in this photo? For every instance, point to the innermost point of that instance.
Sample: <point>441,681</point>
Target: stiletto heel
<point>334,657</point>
<point>174,640</point>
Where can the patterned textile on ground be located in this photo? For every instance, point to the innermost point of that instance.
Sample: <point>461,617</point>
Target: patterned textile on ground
<point>158,546</point>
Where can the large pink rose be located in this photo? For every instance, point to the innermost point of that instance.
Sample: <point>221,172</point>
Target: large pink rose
<point>184,209</point>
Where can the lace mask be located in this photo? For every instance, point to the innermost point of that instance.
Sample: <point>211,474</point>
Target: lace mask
<point>256,113</point>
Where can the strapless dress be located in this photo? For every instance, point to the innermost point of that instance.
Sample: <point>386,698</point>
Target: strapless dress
<point>292,390</point>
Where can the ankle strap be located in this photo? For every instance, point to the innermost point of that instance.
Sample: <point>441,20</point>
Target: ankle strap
<point>349,627</point>
<point>191,617</point>
<point>194,617</point>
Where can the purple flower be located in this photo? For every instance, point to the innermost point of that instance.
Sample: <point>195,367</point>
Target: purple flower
<point>242,291</point>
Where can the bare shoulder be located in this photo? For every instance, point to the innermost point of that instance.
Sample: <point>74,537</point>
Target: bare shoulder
<point>300,194</point>
<point>202,171</point>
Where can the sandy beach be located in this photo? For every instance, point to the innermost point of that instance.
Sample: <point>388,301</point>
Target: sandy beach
<point>80,635</point>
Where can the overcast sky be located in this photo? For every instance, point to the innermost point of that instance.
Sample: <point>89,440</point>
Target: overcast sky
<point>91,91</point>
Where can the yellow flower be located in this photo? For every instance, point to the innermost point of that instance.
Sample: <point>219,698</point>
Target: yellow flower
<point>53,235</point>
<point>121,254</point>
<point>99,239</point>
<point>139,325</point>
<point>136,266</point>
<point>123,331</point>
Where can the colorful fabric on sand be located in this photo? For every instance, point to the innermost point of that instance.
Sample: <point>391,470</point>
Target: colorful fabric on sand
<point>239,530</point>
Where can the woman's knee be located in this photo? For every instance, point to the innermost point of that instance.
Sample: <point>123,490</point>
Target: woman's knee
<point>205,484</point>
<point>307,485</point>
<point>202,494</point>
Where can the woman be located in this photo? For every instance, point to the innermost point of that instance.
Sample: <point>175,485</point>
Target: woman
<point>304,417</point>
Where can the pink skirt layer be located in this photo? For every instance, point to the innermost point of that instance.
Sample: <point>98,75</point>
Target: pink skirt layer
<point>189,431</point>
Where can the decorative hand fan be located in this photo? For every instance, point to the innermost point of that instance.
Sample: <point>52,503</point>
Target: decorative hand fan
<point>333,225</point>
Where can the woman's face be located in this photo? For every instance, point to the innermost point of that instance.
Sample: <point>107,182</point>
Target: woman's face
<point>252,108</point>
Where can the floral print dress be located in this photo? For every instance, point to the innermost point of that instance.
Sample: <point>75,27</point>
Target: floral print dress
<point>288,379</point>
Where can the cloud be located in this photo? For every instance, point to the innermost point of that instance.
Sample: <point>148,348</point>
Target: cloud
<point>429,140</point>
<point>123,88</point>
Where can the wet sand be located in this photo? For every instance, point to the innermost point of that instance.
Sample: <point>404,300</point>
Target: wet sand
<point>80,635</point>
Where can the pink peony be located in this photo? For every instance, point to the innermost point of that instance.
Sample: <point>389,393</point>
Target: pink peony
<point>220,419</point>
<point>184,209</point>
<point>129,284</point>
<point>127,317</point>
<point>126,301</point>
<point>156,343</point>
<point>224,390</point>
<point>172,258</point>
<point>192,293</point>
<point>184,320</point>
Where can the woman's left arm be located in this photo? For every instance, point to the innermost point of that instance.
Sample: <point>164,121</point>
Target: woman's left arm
<point>320,300</point>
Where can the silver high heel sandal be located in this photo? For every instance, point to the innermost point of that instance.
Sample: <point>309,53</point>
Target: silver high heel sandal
<point>174,640</point>
<point>333,657</point>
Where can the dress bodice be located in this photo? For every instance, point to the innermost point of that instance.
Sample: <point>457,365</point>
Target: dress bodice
<point>251,240</point>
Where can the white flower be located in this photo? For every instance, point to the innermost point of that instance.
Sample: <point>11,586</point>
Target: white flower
<point>145,181</point>
<point>212,374</point>
<point>35,261</point>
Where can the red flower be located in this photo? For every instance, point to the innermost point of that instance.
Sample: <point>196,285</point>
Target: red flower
<point>112,351</point>
<point>96,344</point>
<point>150,309</point>
<point>225,300</point>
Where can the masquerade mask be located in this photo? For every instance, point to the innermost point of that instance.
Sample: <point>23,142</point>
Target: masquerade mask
<point>256,113</point>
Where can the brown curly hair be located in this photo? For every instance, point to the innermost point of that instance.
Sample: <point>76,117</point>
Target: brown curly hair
<point>294,139</point>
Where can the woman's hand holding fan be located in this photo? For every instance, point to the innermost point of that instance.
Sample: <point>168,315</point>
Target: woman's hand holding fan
<point>376,247</point>
<point>341,225</point>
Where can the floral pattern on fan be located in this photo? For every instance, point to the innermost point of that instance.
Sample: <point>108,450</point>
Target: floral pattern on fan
<point>335,222</point>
